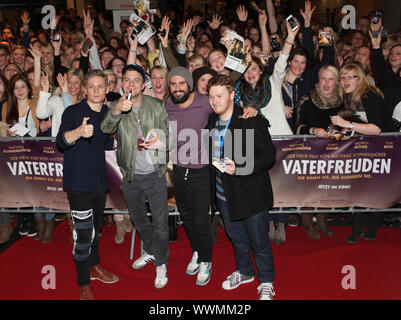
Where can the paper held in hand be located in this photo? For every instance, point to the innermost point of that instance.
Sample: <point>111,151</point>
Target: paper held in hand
<point>236,58</point>
<point>142,29</point>
<point>20,129</point>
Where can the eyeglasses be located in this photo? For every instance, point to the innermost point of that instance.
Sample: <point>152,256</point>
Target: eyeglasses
<point>111,82</point>
<point>118,65</point>
<point>348,78</point>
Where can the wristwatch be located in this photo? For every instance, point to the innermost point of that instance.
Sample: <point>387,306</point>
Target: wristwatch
<point>351,126</point>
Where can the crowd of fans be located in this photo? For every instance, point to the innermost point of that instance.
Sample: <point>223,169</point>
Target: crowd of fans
<point>349,84</point>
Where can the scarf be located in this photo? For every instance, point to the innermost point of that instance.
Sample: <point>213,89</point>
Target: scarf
<point>323,102</point>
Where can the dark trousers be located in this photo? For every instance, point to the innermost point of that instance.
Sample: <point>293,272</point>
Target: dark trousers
<point>192,195</point>
<point>247,235</point>
<point>84,201</point>
<point>154,234</point>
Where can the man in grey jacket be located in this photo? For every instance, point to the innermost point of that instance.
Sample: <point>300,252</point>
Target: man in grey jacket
<point>140,124</point>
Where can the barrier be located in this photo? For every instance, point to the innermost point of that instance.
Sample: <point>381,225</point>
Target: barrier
<point>390,140</point>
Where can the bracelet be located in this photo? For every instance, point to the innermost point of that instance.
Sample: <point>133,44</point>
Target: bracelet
<point>133,50</point>
<point>289,42</point>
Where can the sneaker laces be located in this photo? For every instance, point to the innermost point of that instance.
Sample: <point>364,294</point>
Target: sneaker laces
<point>161,272</point>
<point>266,289</point>
<point>234,278</point>
<point>204,267</point>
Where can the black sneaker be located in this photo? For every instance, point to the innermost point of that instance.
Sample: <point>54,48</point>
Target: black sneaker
<point>370,234</point>
<point>32,231</point>
<point>23,228</point>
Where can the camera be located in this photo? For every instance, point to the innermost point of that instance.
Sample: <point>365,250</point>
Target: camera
<point>275,44</point>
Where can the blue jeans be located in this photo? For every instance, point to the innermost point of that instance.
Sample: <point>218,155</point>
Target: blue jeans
<point>279,217</point>
<point>247,235</point>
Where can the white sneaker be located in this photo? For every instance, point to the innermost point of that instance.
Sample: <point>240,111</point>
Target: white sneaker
<point>143,260</point>
<point>161,277</point>
<point>266,291</point>
<point>204,273</point>
<point>193,266</point>
<point>235,279</point>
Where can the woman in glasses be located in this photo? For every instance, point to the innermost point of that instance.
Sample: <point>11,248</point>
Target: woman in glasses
<point>117,64</point>
<point>364,103</point>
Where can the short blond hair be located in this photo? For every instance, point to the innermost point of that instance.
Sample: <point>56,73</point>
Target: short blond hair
<point>330,68</point>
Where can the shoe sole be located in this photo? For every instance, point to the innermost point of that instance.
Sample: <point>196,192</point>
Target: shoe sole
<point>140,267</point>
<point>162,286</point>
<point>108,282</point>
<point>31,235</point>
<point>242,282</point>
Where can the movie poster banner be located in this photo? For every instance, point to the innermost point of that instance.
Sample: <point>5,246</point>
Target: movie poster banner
<point>320,173</point>
<point>31,176</point>
<point>326,173</point>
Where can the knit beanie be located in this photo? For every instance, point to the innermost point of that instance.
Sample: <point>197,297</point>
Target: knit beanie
<point>182,72</point>
<point>199,72</point>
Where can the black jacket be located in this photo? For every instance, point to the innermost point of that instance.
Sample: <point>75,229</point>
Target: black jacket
<point>390,84</point>
<point>84,161</point>
<point>247,194</point>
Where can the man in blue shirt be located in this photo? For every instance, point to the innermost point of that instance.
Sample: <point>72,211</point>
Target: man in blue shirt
<point>84,178</point>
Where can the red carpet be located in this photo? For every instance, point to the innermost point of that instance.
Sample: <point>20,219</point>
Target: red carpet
<point>305,269</point>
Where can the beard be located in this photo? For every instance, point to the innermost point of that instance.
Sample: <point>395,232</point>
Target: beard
<point>181,99</point>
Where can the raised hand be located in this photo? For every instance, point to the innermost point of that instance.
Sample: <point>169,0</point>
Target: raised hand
<point>242,13</point>
<point>262,18</point>
<point>25,20</point>
<point>57,46</point>
<point>132,42</point>
<point>292,34</point>
<point>86,130</point>
<point>165,26</point>
<point>186,29</point>
<point>35,52</point>
<point>216,22</point>
<point>88,24</point>
<point>63,83</point>
<point>101,20</point>
<point>307,14</point>
<point>54,22</point>
<point>123,105</point>
<point>375,33</point>
<point>44,82</point>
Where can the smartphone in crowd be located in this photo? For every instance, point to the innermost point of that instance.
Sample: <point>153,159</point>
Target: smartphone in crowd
<point>291,21</point>
<point>88,43</point>
<point>55,35</point>
<point>377,17</point>
<point>129,95</point>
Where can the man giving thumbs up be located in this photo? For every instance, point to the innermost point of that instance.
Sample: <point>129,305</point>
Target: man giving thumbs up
<point>84,178</point>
